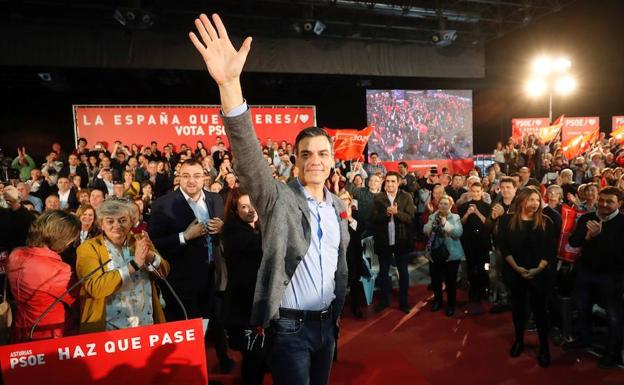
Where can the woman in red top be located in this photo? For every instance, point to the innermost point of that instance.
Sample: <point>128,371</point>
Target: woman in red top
<point>38,276</point>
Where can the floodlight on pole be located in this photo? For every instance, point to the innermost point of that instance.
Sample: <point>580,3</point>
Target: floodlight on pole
<point>562,64</point>
<point>536,87</point>
<point>542,66</point>
<point>565,85</point>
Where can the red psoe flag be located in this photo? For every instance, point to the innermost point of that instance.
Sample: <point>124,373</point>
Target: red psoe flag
<point>577,145</point>
<point>549,133</point>
<point>349,143</point>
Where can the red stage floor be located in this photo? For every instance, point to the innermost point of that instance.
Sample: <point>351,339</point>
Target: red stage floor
<point>425,348</point>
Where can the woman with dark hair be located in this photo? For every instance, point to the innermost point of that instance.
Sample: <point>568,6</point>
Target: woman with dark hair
<point>526,243</point>
<point>37,276</point>
<point>242,246</point>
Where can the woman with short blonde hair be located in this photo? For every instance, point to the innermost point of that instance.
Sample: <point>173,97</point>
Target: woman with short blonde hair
<point>120,269</point>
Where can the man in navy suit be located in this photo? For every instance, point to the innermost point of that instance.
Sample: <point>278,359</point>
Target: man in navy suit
<point>184,226</point>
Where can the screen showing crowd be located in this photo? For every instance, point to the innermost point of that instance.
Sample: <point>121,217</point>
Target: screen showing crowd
<point>420,124</point>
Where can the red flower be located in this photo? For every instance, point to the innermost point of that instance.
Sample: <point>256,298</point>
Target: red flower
<point>343,215</point>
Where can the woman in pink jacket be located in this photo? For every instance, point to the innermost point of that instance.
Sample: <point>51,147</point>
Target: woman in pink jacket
<point>38,276</point>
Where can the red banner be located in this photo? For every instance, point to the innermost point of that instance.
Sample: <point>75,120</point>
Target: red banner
<point>349,143</point>
<point>421,167</point>
<point>169,353</point>
<point>617,122</point>
<point>523,127</point>
<point>569,217</point>
<point>572,127</point>
<point>183,124</point>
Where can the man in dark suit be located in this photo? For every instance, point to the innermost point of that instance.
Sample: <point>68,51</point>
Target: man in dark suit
<point>160,181</point>
<point>184,226</point>
<point>393,214</point>
<point>74,167</point>
<point>67,195</point>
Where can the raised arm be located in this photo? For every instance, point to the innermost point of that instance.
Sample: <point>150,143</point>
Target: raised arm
<point>225,65</point>
<point>224,62</point>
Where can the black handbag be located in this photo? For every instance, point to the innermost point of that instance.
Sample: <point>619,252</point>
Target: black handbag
<point>439,251</point>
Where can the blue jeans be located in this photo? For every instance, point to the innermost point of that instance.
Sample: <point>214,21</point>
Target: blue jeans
<point>300,352</point>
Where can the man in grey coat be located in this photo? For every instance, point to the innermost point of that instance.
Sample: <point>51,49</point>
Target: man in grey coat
<point>302,279</point>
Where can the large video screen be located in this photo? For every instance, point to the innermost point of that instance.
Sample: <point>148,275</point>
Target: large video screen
<point>420,124</point>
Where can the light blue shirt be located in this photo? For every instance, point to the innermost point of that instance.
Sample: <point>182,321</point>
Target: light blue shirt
<point>312,285</point>
<point>36,202</point>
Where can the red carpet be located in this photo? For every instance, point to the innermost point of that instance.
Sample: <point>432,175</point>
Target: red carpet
<point>425,348</point>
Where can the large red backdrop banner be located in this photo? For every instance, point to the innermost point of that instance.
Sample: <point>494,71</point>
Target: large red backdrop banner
<point>169,353</point>
<point>575,126</point>
<point>617,122</point>
<point>180,124</point>
<point>523,127</point>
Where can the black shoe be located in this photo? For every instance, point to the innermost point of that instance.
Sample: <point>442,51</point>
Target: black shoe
<point>405,309</point>
<point>500,308</point>
<point>381,306</point>
<point>543,357</point>
<point>450,311</point>
<point>516,348</point>
<point>608,361</point>
<point>436,305</point>
<point>531,326</point>
<point>226,366</point>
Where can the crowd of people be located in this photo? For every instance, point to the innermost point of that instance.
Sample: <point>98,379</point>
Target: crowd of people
<point>420,124</point>
<point>102,230</point>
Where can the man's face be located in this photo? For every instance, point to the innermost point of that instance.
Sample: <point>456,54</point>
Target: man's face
<point>105,162</point>
<point>107,175</point>
<point>524,174</point>
<point>96,198</point>
<point>476,193</point>
<point>458,182</point>
<point>507,190</point>
<point>52,203</point>
<point>607,204</point>
<point>152,168</point>
<point>63,184</point>
<point>392,184</point>
<point>118,190</point>
<point>22,189</point>
<point>73,160</point>
<point>56,147</point>
<point>374,159</point>
<point>191,179</point>
<point>402,169</point>
<point>314,160</point>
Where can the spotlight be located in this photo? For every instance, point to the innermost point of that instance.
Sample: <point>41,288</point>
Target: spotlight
<point>443,38</point>
<point>565,85</point>
<point>535,87</point>
<point>45,76</point>
<point>542,66</point>
<point>319,27</point>
<point>562,64</point>
<point>134,18</point>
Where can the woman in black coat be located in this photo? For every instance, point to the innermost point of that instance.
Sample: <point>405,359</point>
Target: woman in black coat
<point>355,261</point>
<point>527,240</point>
<point>242,246</point>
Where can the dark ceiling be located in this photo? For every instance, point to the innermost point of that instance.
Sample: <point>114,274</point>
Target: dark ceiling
<point>476,21</point>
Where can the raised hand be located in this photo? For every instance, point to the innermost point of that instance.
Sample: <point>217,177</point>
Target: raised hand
<point>224,62</point>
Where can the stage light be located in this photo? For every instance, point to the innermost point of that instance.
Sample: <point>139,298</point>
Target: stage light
<point>542,66</point>
<point>535,87</point>
<point>319,27</point>
<point>562,64</point>
<point>565,85</point>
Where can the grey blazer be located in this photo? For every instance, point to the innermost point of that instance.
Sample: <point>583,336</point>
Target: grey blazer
<point>285,218</point>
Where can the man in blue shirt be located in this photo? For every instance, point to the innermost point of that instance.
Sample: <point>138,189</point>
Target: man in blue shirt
<point>302,279</point>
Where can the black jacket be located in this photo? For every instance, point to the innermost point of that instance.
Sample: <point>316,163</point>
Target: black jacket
<point>171,215</point>
<point>402,222</point>
<point>81,170</point>
<point>603,253</point>
<point>242,250</point>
